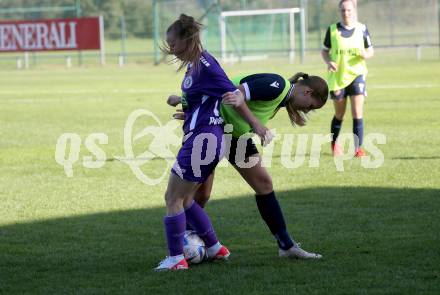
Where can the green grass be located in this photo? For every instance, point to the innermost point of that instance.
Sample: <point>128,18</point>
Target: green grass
<point>101,230</point>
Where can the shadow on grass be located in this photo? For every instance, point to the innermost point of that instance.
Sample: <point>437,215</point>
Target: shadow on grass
<point>372,238</point>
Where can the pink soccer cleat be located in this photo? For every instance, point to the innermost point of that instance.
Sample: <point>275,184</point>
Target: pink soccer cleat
<point>336,149</point>
<point>360,153</point>
<point>222,254</point>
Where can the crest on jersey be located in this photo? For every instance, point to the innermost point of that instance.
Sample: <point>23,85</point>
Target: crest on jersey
<point>187,82</point>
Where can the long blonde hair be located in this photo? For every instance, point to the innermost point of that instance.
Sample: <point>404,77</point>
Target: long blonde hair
<point>319,91</point>
<point>187,30</point>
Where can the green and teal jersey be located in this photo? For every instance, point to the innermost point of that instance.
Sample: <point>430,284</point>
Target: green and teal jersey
<point>264,94</point>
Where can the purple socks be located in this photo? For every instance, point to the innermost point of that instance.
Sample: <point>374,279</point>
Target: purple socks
<point>200,222</point>
<point>175,230</point>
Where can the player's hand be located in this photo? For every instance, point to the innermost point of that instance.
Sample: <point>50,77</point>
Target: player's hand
<point>332,66</point>
<point>363,53</point>
<point>268,137</point>
<point>235,98</point>
<point>179,115</point>
<point>174,100</point>
<point>263,133</point>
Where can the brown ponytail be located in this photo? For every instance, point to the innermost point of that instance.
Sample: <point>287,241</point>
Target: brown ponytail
<point>297,76</point>
<point>320,92</point>
<point>296,117</point>
<point>187,30</point>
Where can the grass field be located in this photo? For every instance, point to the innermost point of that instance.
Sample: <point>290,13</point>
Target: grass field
<point>101,230</point>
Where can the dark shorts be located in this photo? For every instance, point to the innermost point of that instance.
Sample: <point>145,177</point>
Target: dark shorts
<point>238,153</point>
<point>357,87</point>
<point>199,154</point>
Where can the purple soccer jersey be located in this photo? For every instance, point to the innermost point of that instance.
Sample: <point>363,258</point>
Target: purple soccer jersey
<point>202,89</point>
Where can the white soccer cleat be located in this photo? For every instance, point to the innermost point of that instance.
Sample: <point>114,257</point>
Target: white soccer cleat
<point>297,252</point>
<point>172,263</point>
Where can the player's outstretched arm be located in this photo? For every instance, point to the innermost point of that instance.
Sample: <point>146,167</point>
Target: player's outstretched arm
<point>244,111</point>
<point>259,129</point>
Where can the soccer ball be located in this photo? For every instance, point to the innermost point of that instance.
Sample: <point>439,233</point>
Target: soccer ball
<point>194,249</point>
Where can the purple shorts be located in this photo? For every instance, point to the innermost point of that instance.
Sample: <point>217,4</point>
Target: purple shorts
<point>199,155</point>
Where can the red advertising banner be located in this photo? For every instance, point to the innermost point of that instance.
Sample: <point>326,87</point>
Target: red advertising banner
<point>50,34</point>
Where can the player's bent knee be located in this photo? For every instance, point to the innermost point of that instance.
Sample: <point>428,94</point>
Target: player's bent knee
<point>174,205</point>
<point>357,113</point>
<point>264,186</point>
<point>171,199</point>
<point>201,199</point>
<point>187,202</point>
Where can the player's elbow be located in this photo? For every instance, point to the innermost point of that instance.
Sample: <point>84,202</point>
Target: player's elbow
<point>173,100</point>
<point>170,101</point>
<point>325,54</point>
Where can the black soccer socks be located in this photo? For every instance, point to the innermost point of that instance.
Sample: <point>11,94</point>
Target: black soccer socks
<point>271,213</point>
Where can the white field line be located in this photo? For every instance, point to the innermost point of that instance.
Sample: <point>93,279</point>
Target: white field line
<point>152,90</point>
<point>91,91</point>
<point>402,86</point>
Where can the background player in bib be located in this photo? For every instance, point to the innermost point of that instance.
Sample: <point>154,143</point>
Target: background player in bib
<point>202,88</point>
<point>347,45</point>
<point>265,94</point>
